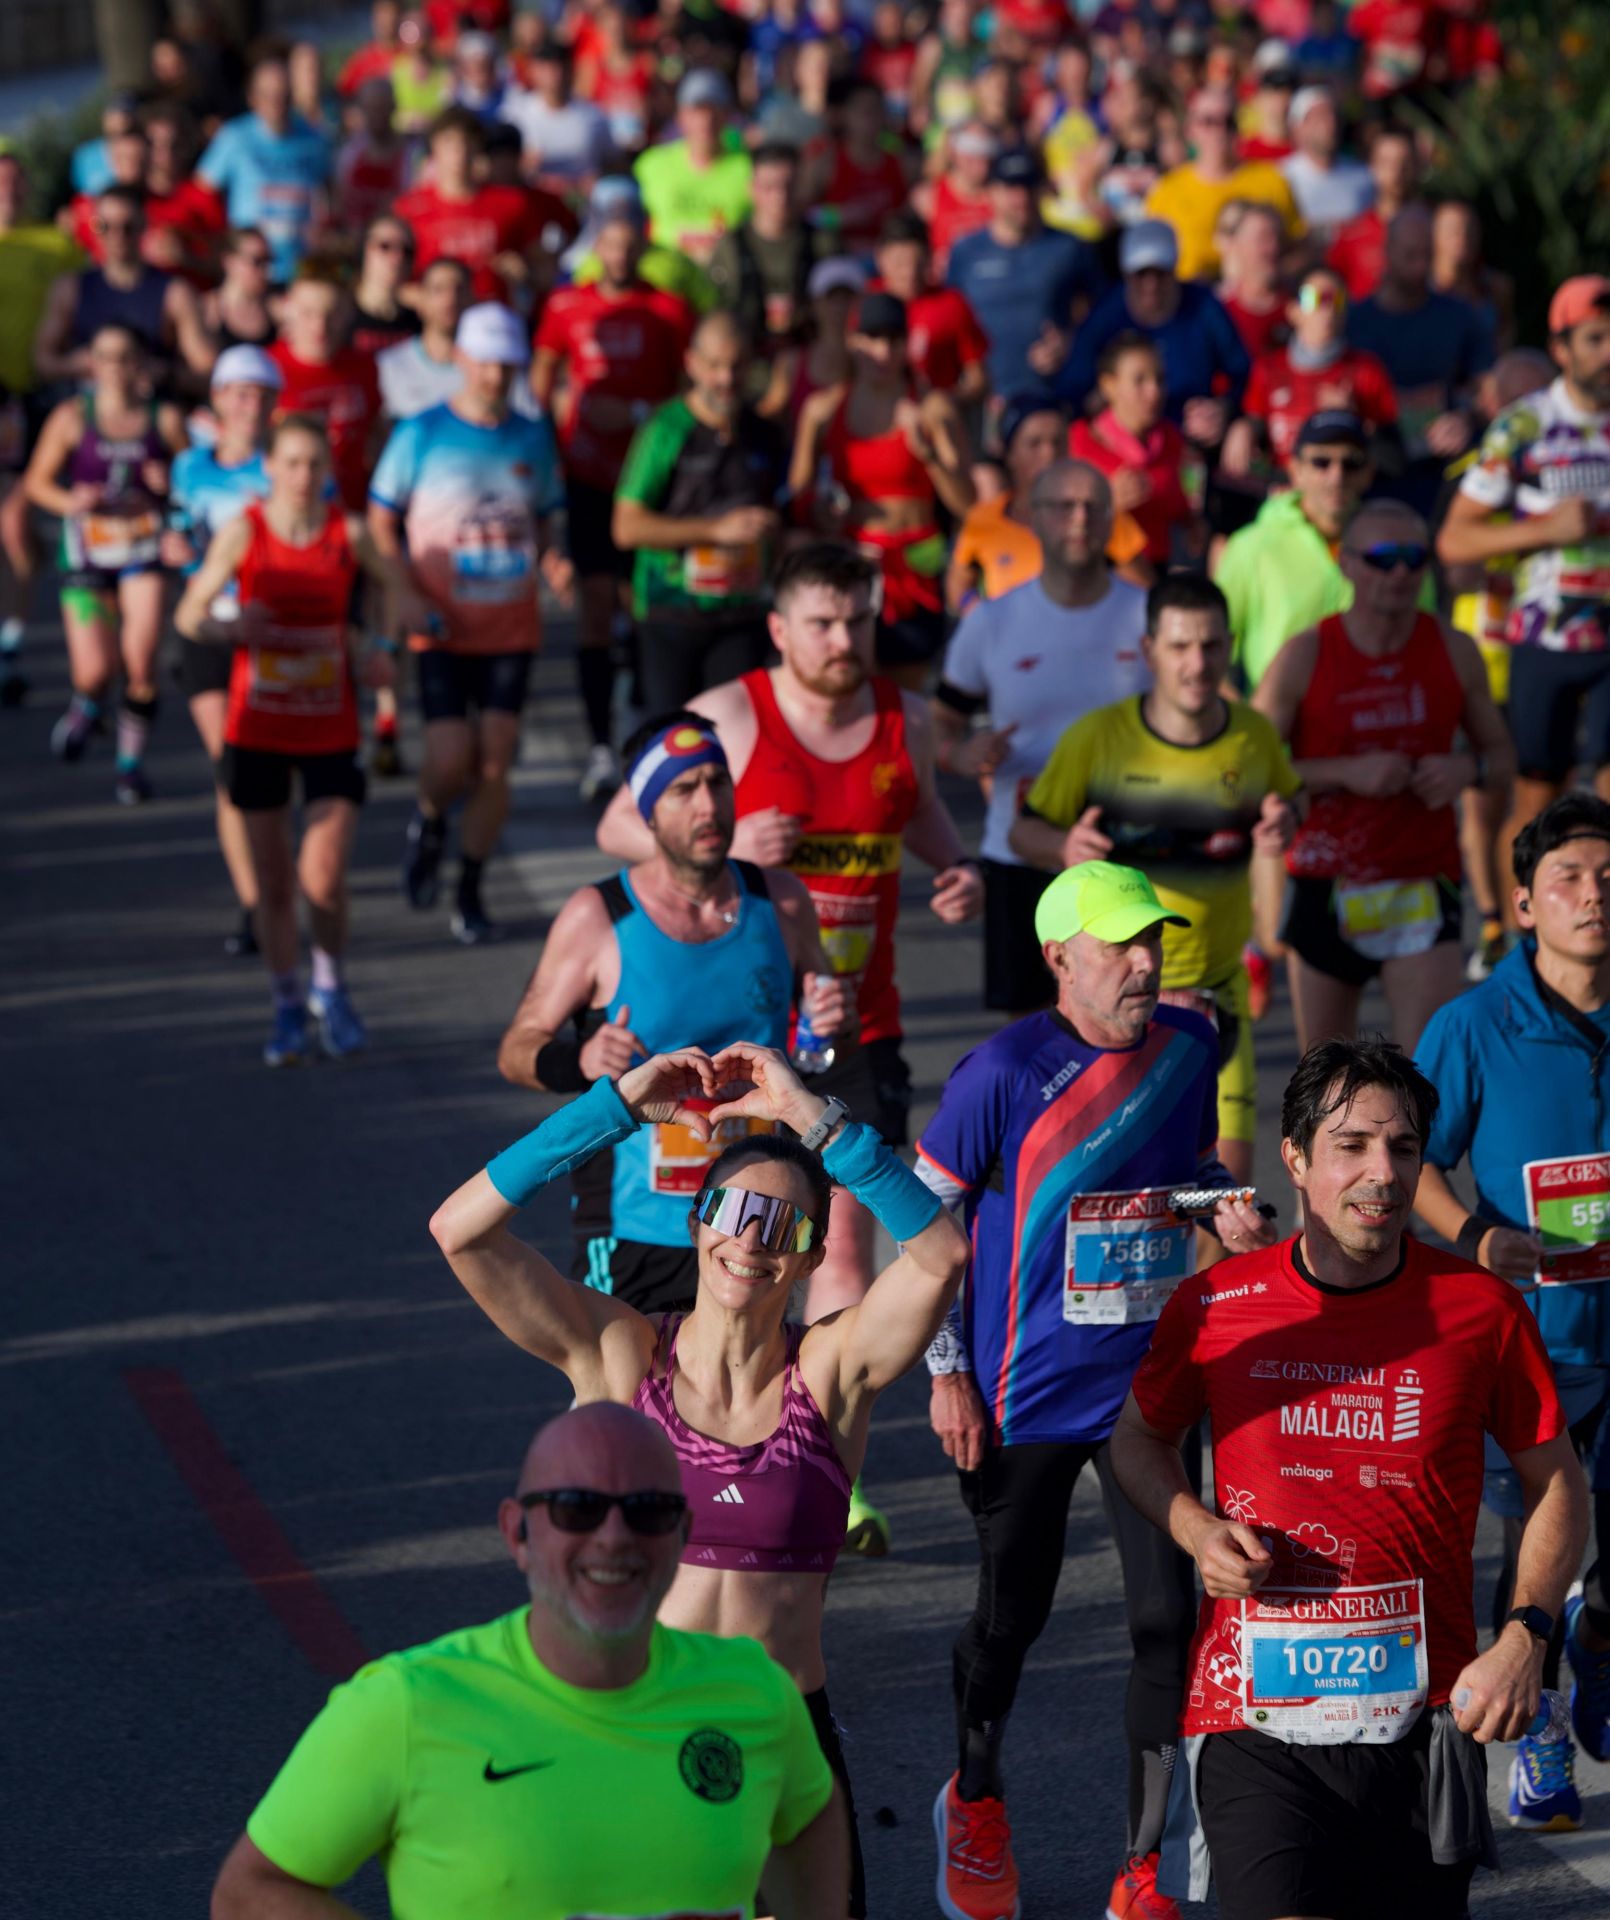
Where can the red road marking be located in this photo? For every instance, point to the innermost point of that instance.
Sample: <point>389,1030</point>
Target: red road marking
<point>255,1539</point>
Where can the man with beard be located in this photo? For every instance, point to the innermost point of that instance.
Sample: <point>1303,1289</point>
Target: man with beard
<point>686,948</point>
<point>430,1758</point>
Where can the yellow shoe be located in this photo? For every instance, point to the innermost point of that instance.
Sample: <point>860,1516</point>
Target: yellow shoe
<point>867,1531</point>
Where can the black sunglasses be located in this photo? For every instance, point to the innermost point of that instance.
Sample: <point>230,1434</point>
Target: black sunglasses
<point>1385,555</point>
<point>584,1510</point>
<point>1348,462</point>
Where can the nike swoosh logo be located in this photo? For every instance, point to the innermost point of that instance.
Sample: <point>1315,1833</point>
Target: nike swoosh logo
<point>489,1772</point>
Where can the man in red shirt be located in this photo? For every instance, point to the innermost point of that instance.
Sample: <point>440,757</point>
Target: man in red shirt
<point>184,219</point>
<point>1337,1710</point>
<point>376,60</point>
<point>957,202</point>
<point>944,342</point>
<point>497,231</point>
<point>1358,253</point>
<point>858,181</point>
<point>619,343</point>
<point>329,379</point>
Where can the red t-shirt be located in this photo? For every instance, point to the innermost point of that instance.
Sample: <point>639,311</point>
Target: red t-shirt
<point>192,210</point>
<point>297,697</point>
<point>1283,396</point>
<point>1358,253</point>
<point>493,220</point>
<point>1160,455</point>
<point>345,394</point>
<point>1259,331</point>
<point>889,69</point>
<point>864,197</point>
<point>366,182</point>
<point>1348,1431</point>
<point>956,214</point>
<point>943,337</point>
<point>628,348</point>
<point>1041,22</point>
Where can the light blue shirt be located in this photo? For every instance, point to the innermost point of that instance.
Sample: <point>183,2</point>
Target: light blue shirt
<point>270,181</point>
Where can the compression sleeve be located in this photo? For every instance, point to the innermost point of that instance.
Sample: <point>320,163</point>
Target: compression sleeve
<point>565,1140</point>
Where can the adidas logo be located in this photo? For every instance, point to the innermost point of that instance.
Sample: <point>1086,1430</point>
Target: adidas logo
<point>729,1496</point>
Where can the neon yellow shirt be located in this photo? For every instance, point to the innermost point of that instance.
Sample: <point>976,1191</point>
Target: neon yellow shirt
<point>690,207</point>
<point>491,1790</point>
<point>1192,205</point>
<point>660,267</point>
<point>32,259</point>
<point>1182,815</point>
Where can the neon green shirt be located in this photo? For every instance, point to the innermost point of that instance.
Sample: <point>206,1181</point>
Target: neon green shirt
<point>32,259</point>
<point>491,1790</point>
<point>689,207</point>
<point>660,267</point>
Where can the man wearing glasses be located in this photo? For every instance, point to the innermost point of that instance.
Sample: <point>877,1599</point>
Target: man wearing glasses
<point>1388,717</point>
<point>489,1769</point>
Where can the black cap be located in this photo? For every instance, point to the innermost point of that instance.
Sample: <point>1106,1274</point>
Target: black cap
<point>883,314</point>
<point>1333,427</point>
<point>1021,407</point>
<point>502,137</point>
<point>1016,168</point>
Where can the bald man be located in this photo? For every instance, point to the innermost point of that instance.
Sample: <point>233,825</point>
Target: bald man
<point>1389,718</point>
<point>696,507</point>
<point>493,1771</point>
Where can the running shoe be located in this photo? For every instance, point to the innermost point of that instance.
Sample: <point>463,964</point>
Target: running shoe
<point>1590,1683</point>
<point>867,1531</point>
<point>133,786</point>
<point>1260,980</point>
<point>977,1874</point>
<point>422,864</point>
<point>1489,950</point>
<point>287,1042</point>
<point>341,1032</point>
<point>71,733</point>
<point>242,943</point>
<point>385,758</point>
<point>473,927</point>
<point>1134,1893</point>
<point>602,774</point>
<point>1542,1793</point>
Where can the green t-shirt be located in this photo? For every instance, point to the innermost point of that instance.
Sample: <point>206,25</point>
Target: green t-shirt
<point>687,205</point>
<point>660,267</point>
<point>32,260</point>
<point>490,1790</point>
<point>680,467</point>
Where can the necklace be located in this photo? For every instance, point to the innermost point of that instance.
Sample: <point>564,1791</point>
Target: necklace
<point>693,900</point>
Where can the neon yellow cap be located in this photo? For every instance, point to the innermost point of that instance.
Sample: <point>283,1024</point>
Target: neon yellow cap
<point>1102,899</point>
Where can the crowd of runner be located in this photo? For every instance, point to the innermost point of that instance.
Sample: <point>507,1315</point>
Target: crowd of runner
<point>1090,403</point>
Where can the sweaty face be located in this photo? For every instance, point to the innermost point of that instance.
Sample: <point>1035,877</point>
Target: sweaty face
<point>826,639</point>
<point>1584,353</point>
<point>737,1271</point>
<point>693,819</point>
<point>1568,902</point>
<point>1188,655</point>
<point>1109,988</point>
<point>1359,1176</point>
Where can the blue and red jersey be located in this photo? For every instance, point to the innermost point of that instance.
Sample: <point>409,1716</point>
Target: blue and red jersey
<point>1029,1123</point>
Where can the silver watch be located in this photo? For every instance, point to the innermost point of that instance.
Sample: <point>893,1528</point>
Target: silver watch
<point>831,1115</point>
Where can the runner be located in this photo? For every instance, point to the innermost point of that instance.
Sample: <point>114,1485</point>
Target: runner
<point>271,167</point>
<point>1372,703</point>
<point>879,464</point>
<point>696,507</point>
<point>620,344</point>
<point>1348,1374</point>
<point>695,187</point>
<point>1052,1135</point>
<point>1155,476</point>
<point>1187,787</point>
<point>1506,1061</point>
<point>372,167</point>
<point>687,941</point>
<point>101,464</point>
<point>859,180</point>
<point>408,1759</point>
<point>754,1406</point>
<point>1190,196</point>
<point>293,710</point>
<point>1035,660</point>
<point>946,344</point>
<point>380,316</point>
<point>236,311</point>
<point>472,487</point>
<point>761,268</point>
<point>423,372</point>
<point>211,485</point>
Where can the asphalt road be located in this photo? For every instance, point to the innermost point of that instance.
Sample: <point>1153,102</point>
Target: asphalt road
<point>255,1432</point>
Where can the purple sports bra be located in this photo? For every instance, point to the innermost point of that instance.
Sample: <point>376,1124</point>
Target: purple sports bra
<point>779,1505</point>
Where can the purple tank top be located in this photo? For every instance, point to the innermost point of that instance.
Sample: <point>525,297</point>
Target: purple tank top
<point>125,529</point>
<point>779,1505</point>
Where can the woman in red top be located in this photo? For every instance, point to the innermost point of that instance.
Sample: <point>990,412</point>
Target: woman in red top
<point>858,181</point>
<point>293,709</point>
<point>1155,475</point>
<point>874,464</point>
<point>956,201</point>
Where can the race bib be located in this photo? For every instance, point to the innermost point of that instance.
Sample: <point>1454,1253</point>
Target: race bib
<point>494,558</point>
<point>1568,1208</point>
<point>1391,918</point>
<point>303,683</point>
<point>1125,1253</point>
<point>678,1158</point>
<point>724,573</point>
<point>114,542</point>
<point>849,924</point>
<point>1325,1668</point>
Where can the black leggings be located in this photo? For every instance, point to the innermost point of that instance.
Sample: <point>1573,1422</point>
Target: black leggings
<point>827,1738</point>
<point>1019,1503</point>
<point>676,661</point>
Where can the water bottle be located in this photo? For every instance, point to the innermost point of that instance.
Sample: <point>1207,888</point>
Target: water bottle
<point>1551,1722</point>
<point>810,1053</point>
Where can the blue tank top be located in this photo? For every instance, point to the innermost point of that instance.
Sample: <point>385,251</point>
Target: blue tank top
<point>139,307</point>
<point>682,994</point>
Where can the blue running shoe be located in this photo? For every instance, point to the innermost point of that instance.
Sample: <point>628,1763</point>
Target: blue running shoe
<point>286,1045</point>
<point>340,1030</point>
<point>1590,1684</point>
<point>1542,1792</point>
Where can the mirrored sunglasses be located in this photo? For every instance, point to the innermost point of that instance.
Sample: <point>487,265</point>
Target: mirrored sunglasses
<point>784,1228</point>
<point>1385,555</point>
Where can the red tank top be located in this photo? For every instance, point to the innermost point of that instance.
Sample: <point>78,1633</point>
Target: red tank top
<point>881,467</point>
<point>955,216</point>
<point>298,697</point>
<point>849,854</point>
<point>1411,703</point>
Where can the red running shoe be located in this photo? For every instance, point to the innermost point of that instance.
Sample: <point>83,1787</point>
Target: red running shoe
<point>977,1874</point>
<point>1135,1895</point>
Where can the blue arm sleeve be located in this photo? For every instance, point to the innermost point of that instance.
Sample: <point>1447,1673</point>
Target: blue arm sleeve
<point>563,1142</point>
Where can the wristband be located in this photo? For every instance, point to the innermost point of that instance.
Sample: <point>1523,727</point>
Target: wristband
<point>558,1067</point>
<point>947,1351</point>
<point>1468,1239</point>
<point>860,1161</point>
<point>563,1142</point>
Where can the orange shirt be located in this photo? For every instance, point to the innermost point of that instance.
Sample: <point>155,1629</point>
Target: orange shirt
<point>1006,553</point>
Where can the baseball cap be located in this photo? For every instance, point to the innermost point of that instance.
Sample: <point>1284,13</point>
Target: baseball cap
<point>493,332</point>
<point>1021,407</point>
<point>704,87</point>
<point>475,45</point>
<point>1304,101</point>
<point>246,366</point>
<point>1273,56</point>
<point>1333,427</point>
<point>1583,294</point>
<point>1018,168</point>
<point>881,314</point>
<point>1148,243</point>
<point>1099,897</point>
<point>835,276</point>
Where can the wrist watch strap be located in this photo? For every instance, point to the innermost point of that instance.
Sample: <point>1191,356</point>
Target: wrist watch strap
<point>1538,1624</point>
<point>835,1111</point>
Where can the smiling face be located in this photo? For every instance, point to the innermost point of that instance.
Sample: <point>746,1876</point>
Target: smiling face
<point>736,1272</point>
<point>1568,903</point>
<point>1358,1178</point>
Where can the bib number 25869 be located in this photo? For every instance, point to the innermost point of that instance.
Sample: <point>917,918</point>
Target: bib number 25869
<point>1125,1254</point>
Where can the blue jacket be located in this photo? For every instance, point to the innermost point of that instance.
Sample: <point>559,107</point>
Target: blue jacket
<point>1519,1081</point>
<point>1200,347</point>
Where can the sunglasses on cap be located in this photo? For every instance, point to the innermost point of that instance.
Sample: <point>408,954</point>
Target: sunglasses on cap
<point>1387,554</point>
<point>584,1510</point>
<point>784,1228</point>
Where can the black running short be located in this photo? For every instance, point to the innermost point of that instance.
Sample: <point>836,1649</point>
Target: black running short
<point>259,781</point>
<point>1341,1831</point>
<point>1309,927</point>
<point>1016,978</point>
<point>1559,712</point>
<point>590,513</point>
<point>451,683</point>
<point>653,1279</point>
<point>203,668</point>
<point>827,1738</point>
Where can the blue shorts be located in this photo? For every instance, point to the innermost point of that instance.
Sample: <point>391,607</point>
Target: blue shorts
<point>1584,1392</point>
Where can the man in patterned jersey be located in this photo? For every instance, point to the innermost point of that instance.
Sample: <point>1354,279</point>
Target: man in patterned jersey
<point>488,1770</point>
<point>1337,1711</point>
<point>1063,1136</point>
<point>1540,491</point>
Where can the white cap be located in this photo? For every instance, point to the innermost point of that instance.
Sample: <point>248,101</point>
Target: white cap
<point>1304,101</point>
<point>246,366</point>
<point>1148,243</point>
<point>978,142</point>
<point>1272,56</point>
<point>834,276</point>
<point>493,332</point>
<point>477,44</point>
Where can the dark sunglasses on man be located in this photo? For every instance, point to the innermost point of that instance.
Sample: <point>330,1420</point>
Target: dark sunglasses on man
<point>584,1509</point>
